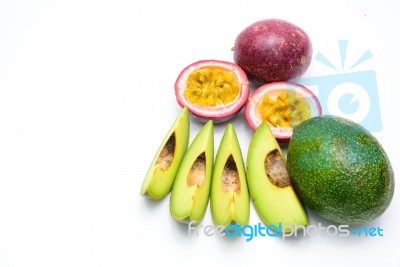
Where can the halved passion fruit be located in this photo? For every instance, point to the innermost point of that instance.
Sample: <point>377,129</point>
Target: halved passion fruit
<point>212,90</point>
<point>282,105</point>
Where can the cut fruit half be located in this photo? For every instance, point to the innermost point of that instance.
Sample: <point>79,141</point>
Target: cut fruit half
<point>191,190</point>
<point>273,196</point>
<point>282,105</point>
<point>212,90</point>
<point>161,173</point>
<point>229,199</point>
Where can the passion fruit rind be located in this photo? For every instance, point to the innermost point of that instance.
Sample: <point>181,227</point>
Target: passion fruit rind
<point>282,105</point>
<point>212,90</point>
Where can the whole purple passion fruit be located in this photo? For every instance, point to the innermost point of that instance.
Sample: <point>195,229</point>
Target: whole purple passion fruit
<point>273,50</point>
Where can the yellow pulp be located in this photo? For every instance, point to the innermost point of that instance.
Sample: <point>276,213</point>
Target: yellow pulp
<point>286,110</point>
<point>211,86</point>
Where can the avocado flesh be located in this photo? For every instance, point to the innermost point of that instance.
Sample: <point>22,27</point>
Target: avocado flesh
<point>275,201</point>
<point>161,173</point>
<point>340,170</point>
<point>229,199</point>
<point>191,190</point>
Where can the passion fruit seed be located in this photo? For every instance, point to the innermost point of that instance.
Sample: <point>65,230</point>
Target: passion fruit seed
<point>286,110</point>
<point>211,86</point>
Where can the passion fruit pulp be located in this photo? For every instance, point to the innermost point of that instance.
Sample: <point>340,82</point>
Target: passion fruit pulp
<point>212,90</point>
<point>282,105</point>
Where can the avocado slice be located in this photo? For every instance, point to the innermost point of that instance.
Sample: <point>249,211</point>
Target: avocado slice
<point>229,199</point>
<point>191,189</point>
<point>270,188</point>
<point>161,173</point>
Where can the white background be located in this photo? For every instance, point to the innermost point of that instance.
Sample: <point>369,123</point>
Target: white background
<point>86,96</point>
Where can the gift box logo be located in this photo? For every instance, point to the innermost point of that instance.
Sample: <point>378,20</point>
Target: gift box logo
<point>349,94</point>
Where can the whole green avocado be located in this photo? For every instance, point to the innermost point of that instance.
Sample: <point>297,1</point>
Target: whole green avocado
<point>339,170</point>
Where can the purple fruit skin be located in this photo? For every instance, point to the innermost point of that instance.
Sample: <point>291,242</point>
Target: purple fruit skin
<point>273,50</point>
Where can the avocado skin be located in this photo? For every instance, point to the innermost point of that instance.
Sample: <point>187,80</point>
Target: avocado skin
<point>339,170</point>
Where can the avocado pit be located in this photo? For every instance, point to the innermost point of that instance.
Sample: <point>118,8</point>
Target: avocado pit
<point>230,176</point>
<point>197,172</point>
<point>275,169</point>
<point>166,155</point>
